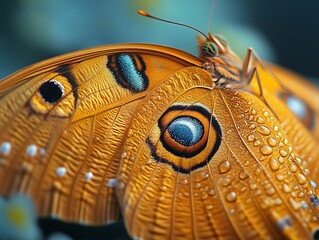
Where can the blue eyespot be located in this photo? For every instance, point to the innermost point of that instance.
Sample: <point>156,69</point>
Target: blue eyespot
<point>296,106</point>
<point>187,131</point>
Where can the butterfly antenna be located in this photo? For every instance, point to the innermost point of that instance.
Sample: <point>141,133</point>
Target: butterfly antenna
<point>211,14</point>
<point>145,14</point>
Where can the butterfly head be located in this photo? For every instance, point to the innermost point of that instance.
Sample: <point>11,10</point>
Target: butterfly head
<point>214,45</point>
<point>219,60</point>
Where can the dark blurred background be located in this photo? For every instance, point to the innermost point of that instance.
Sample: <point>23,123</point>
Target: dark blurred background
<point>281,31</point>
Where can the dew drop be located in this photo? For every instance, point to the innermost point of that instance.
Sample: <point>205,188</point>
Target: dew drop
<point>184,181</point>
<point>252,126</point>
<point>306,171</point>
<point>273,163</point>
<point>279,177</point>
<point>251,138</point>
<point>313,184</point>
<point>266,150</point>
<point>258,171</point>
<point>293,168</point>
<point>265,203</point>
<point>301,178</point>
<point>232,211</point>
<point>111,183</point>
<point>272,141</point>
<point>298,160</point>
<point>224,166</point>
<point>243,174</point>
<point>231,196</point>
<point>252,186</point>
<point>257,143</point>
<point>277,201</point>
<point>61,171</point>
<point>260,120</point>
<point>286,188</point>
<point>283,153</point>
<point>88,176</point>
<point>161,198</point>
<point>164,188</point>
<point>301,194</point>
<point>304,205</point>
<point>209,207</point>
<point>204,175</point>
<point>286,141</point>
<point>32,150</point>
<point>251,117</point>
<point>226,182</point>
<point>197,185</point>
<point>293,203</point>
<point>253,111</point>
<point>270,191</point>
<point>290,149</point>
<point>124,154</point>
<point>211,192</point>
<point>5,148</point>
<point>266,114</point>
<point>276,128</point>
<point>281,159</point>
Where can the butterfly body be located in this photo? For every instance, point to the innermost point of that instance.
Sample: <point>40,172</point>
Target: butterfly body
<point>183,147</point>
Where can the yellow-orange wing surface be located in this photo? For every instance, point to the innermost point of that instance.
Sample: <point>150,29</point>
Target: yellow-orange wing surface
<point>182,147</point>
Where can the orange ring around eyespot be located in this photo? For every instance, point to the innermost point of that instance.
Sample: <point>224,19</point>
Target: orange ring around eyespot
<point>183,158</point>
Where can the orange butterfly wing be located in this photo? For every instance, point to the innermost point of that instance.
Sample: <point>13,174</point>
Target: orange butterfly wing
<point>62,130</point>
<point>238,176</point>
<point>301,127</point>
<point>65,149</point>
<point>303,90</point>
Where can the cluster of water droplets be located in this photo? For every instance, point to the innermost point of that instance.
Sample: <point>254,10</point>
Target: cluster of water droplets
<point>291,174</point>
<point>31,151</point>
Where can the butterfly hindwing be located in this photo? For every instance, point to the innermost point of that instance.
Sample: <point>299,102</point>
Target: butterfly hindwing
<point>209,163</point>
<point>295,111</point>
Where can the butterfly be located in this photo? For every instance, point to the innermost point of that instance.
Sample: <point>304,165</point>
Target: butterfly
<point>180,147</point>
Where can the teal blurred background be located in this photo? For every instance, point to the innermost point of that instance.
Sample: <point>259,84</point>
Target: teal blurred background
<point>282,31</point>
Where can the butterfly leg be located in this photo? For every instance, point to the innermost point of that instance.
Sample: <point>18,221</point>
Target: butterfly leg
<point>250,71</point>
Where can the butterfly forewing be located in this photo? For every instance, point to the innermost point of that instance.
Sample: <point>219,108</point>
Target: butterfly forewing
<point>62,131</point>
